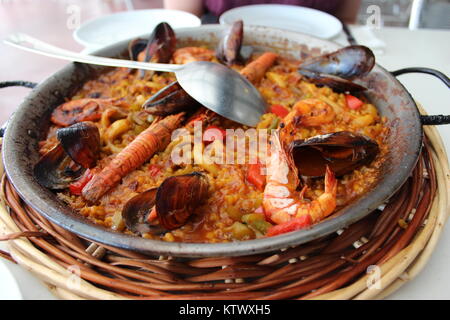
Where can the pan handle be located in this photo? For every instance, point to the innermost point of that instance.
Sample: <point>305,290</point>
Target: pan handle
<point>436,119</point>
<point>5,84</point>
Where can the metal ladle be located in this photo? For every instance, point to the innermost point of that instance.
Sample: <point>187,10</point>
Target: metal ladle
<point>215,86</point>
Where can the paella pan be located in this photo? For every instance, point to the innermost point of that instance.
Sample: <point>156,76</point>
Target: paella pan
<point>106,162</point>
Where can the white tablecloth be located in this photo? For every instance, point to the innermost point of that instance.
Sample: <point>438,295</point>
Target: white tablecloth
<point>404,48</point>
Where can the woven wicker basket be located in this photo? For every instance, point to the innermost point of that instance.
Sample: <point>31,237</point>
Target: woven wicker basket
<point>368,260</point>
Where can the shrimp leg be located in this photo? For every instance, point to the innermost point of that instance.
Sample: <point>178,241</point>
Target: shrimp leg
<point>155,138</point>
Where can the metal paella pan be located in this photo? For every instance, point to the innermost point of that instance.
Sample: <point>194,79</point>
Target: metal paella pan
<point>27,127</point>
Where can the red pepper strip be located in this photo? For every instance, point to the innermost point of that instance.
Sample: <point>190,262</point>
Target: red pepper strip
<point>76,187</point>
<point>353,102</point>
<point>255,177</point>
<point>292,225</point>
<point>279,110</point>
<point>212,133</point>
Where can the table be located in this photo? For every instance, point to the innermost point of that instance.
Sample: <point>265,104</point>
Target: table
<point>404,48</point>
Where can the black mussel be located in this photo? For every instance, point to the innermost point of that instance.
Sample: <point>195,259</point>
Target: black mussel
<point>81,142</point>
<point>349,62</point>
<point>135,47</point>
<point>337,68</point>
<point>136,213</point>
<point>173,202</point>
<point>55,170</point>
<point>336,83</point>
<point>77,150</point>
<point>169,100</point>
<point>342,151</point>
<point>229,48</point>
<point>159,47</point>
<point>178,196</point>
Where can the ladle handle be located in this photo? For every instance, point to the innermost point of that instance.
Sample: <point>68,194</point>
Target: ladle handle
<point>434,119</point>
<point>28,43</point>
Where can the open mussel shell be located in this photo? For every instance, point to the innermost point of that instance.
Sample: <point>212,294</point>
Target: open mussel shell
<point>54,170</point>
<point>135,47</point>
<point>349,62</point>
<point>159,47</point>
<point>77,150</point>
<point>336,83</point>
<point>136,210</point>
<point>336,69</point>
<point>169,100</point>
<point>342,151</point>
<point>174,200</point>
<point>229,48</point>
<point>161,44</point>
<point>81,142</point>
<point>178,196</point>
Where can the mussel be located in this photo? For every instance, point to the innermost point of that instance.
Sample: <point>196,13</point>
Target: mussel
<point>336,69</point>
<point>178,196</point>
<point>159,47</point>
<point>169,100</point>
<point>81,142</point>
<point>77,150</point>
<point>136,49</point>
<point>342,151</point>
<point>228,50</point>
<point>136,213</point>
<point>174,202</point>
<point>336,83</point>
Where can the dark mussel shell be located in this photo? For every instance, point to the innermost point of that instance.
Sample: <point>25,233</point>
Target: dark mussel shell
<point>135,47</point>
<point>338,84</point>
<point>178,196</point>
<point>54,170</point>
<point>350,62</point>
<point>136,210</point>
<point>159,47</point>
<point>169,100</point>
<point>337,68</point>
<point>342,151</point>
<point>229,48</point>
<point>77,150</point>
<point>81,142</point>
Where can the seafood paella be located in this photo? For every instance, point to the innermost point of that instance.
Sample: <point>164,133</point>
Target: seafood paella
<point>133,152</point>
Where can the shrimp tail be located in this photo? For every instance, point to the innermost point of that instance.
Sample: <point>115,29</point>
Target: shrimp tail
<point>330,181</point>
<point>154,139</point>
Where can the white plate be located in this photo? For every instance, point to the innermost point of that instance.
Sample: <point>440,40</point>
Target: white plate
<point>9,290</point>
<point>310,21</point>
<point>108,29</point>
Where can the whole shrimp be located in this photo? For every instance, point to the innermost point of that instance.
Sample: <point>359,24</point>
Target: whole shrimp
<point>283,204</point>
